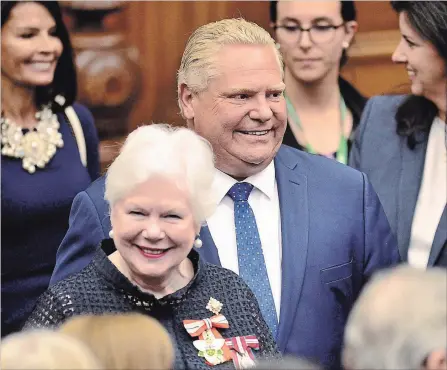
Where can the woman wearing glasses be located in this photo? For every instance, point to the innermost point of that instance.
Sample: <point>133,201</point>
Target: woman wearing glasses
<point>323,108</point>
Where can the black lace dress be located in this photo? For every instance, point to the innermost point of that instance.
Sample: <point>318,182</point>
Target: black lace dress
<point>101,288</point>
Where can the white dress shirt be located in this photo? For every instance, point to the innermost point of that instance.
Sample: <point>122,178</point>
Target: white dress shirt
<point>432,197</point>
<point>265,204</point>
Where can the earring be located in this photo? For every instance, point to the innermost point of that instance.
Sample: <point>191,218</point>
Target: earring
<point>198,242</point>
<point>59,99</point>
<point>111,234</point>
<point>345,44</point>
<point>277,45</point>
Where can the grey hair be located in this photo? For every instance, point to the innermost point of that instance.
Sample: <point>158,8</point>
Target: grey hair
<point>45,349</point>
<point>399,319</point>
<point>198,61</point>
<point>175,152</point>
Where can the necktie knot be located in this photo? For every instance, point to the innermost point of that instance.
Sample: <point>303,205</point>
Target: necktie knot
<point>240,191</point>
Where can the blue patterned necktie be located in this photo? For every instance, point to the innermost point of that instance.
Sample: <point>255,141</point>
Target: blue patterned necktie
<point>249,250</point>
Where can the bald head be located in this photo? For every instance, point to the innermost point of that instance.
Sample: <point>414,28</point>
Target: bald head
<point>399,319</point>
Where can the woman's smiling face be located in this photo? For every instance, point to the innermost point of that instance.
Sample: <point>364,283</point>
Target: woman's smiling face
<point>154,228</point>
<point>30,46</point>
<point>426,69</point>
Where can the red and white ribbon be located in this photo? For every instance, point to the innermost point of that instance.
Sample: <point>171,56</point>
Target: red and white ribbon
<point>197,327</point>
<point>242,350</point>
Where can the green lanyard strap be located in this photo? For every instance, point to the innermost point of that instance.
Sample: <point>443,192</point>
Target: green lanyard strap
<point>342,151</point>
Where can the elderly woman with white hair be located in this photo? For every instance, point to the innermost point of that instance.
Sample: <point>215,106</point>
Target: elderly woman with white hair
<point>160,192</point>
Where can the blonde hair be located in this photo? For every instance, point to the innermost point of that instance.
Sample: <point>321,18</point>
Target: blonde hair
<point>45,349</point>
<point>198,62</point>
<point>125,341</point>
<point>175,152</point>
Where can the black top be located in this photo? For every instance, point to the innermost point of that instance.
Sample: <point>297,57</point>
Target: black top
<point>355,102</point>
<point>101,288</point>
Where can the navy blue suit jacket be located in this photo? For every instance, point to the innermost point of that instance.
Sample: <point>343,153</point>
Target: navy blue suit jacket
<point>334,236</point>
<point>395,172</point>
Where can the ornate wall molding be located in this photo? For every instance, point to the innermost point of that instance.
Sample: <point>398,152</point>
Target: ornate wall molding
<point>108,72</point>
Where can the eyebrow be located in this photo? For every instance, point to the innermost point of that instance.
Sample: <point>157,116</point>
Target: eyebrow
<point>33,29</point>
<point>236,90</point>
<point>280,86</point>
<point>175,209</point>
<point>315,20</point>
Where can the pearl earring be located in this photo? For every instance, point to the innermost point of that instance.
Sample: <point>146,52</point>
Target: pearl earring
<point>345,44</point>
<point>111,234</point>
<point>198,242</point>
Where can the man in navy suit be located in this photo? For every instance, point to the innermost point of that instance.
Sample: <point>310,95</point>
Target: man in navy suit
<point>321,226</point>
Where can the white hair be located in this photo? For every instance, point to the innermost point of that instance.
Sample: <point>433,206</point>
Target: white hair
<point>45,349</point>
<point>399,319</point>
<point>175,152</point>
<point>198,63</point>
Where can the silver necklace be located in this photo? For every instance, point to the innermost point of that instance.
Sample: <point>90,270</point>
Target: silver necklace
<point>35,147</point>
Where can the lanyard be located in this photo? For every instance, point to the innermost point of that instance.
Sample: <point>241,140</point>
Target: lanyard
<point>342,150</point>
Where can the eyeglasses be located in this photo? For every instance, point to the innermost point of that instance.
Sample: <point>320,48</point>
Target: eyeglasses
<point>319,34</point>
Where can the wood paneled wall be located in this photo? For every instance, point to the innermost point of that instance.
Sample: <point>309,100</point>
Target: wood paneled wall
<point>160,29</point>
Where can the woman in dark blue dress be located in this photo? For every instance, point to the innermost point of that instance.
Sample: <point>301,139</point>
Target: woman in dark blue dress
<point>49,150</point>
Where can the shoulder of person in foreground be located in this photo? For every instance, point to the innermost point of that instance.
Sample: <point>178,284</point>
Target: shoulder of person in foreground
<point>89,224</point>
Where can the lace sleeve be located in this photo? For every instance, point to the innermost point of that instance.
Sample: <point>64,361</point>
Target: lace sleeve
<point>267,344</point>
<point>48,312</point>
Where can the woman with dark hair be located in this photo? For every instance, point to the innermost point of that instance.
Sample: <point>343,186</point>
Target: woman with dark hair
<point>323,108</point>
<point>49,150</point>
<point>402,140</point>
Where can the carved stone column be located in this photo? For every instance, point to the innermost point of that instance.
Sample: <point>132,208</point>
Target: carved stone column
<point>108,72</point>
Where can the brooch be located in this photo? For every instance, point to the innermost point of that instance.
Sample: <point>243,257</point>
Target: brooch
<point>215,349</point>
<point>210,344</point>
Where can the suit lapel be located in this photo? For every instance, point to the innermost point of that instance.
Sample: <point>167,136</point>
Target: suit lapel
<point>208,251</point>
<point>439,239</point>
<point>292,190</point>
<point>410,181</point>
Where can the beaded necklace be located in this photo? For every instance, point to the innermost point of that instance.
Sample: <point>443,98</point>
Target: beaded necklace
<point>37,146</point>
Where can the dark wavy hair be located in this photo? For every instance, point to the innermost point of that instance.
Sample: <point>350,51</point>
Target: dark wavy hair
<point>64,81</point>
<point>348,13</point>
<point>429,19</point>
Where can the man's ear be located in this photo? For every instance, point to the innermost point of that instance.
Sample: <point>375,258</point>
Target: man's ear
<point>436,360</point>
<point>186,97</point>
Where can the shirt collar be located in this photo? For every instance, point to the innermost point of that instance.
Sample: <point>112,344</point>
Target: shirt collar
<point>263,181</point>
